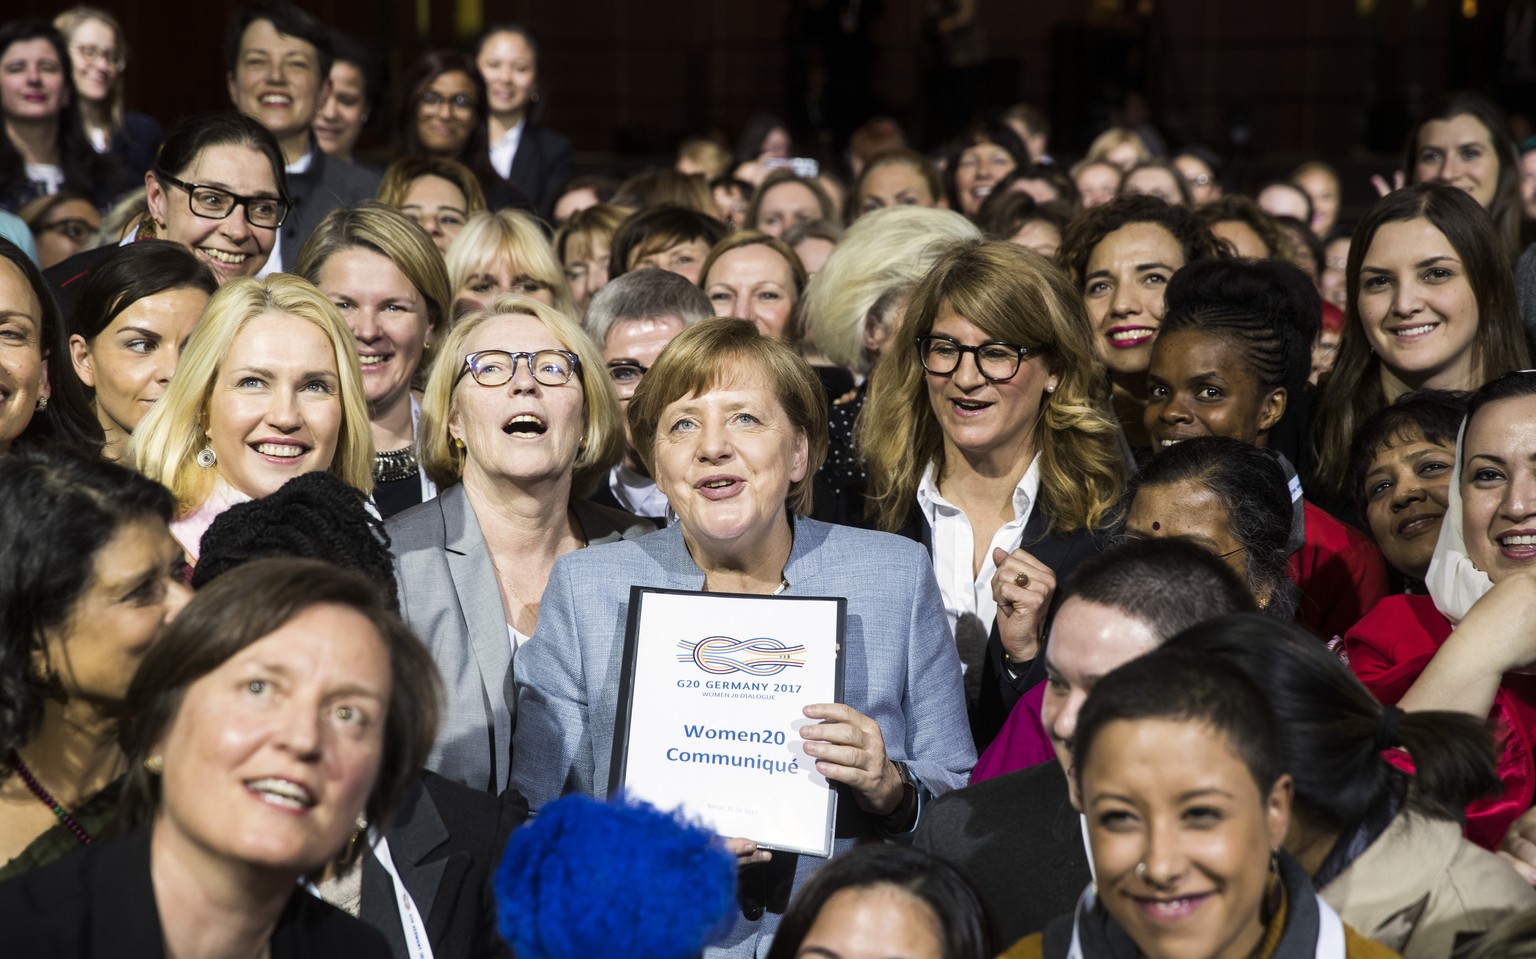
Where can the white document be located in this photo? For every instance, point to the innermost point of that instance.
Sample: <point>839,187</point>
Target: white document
<point>710,711</point>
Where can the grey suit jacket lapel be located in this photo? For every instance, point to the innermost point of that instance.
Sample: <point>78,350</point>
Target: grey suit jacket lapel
<point>474,579</point>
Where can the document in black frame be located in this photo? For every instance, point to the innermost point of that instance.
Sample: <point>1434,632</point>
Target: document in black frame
<point>710,707</point>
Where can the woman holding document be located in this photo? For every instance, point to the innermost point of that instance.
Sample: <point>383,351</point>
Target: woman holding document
<point>733,426</point>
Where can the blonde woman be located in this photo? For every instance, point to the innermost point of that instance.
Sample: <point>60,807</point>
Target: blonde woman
<point>98,54</point>
<point>268,388</point>
<point>390,285</point>
<point>519,422</point>
<point>986,439</point>
<point>505,252</point>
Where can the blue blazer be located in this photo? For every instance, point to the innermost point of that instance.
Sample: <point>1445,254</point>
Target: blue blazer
<point>450,597</point>
<point>900,669</point>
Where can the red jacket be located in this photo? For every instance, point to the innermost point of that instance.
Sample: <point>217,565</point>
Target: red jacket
<point>1390,647</point>
<point>1340,573</point>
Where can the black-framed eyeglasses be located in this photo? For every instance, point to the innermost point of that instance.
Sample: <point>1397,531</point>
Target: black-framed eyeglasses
<point>626,374</point>
<point>217,203</point>
<point>998,362</point>
<point>431,98</point>
<point>497,367</point>
<point>72,228</point>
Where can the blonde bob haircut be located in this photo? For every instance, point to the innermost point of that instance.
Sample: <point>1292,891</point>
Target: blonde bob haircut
<point>602,443</point>
<point>718,353</point>
<point>794,331</point>
<point>389,233</point>
<point>1015,296</point>
<point>884,248</point>
<point>516,239</point>
<point>166,443</point>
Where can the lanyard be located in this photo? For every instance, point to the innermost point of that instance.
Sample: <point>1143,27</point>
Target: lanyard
<point>411,920</point>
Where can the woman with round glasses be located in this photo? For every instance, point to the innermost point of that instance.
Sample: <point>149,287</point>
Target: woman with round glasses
<point>518,423</point>
<point>987,439</point>
<point>99,54</point>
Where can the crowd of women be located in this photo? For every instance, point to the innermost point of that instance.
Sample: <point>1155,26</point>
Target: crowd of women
<point>1188,539</point>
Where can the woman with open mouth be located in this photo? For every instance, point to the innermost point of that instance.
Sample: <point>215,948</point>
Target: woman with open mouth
<point>1431,305</point>
<point>267,389</point>
<point>1121,256</point>
<point>389,284</point>
<point>988,439</point>
<point>1187,804</point>
<point>519,422</point>
<point>1467,646</point>
<point>283,712</point>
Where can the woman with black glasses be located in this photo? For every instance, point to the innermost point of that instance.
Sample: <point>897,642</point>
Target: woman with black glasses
<point>519,421</point>
<point>987,439</point>
<point>217,188</point>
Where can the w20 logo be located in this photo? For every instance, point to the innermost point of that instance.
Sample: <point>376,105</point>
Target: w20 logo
<point>762,656</point>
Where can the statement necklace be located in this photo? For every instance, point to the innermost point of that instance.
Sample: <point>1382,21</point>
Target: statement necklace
<point>47,799</point>
<point>394,465</point>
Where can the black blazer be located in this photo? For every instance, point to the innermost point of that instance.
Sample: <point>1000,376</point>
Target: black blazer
<point>541,166</point>
<point>1001,687</point>
<point>326,185</point>
<point>1018,840</point>
<point>446,841</point>
<point>99,903</point>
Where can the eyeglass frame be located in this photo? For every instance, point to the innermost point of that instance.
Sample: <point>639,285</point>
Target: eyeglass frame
<point>240,201</point>
<point>89,53</point>
<point>63,225</point>
<point>512,358</point>
<point>1021,353</point>
<point>625,363</point>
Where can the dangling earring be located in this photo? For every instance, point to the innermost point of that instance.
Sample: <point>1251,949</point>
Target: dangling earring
<point>42,403</point>
<point>206,457</point>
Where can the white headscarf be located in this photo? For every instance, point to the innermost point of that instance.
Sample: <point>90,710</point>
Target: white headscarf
<point>1453,582</point>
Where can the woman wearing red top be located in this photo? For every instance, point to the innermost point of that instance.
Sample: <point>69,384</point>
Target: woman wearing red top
<point>1462,647</point>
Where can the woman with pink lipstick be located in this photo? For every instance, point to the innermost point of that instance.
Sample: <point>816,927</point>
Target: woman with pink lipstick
<point>987,440</point>
<point>133,319</point>
<point>519,422</point>
<point>388,281</point>
<point>1466,646</point>
<point>1121,256</point>
<point>268,388</point>
<point>283,711</point>
<point>1431,305</point>
<point>1186,806</point>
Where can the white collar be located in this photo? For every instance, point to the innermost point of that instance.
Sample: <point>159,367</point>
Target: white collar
<point>932,502</point>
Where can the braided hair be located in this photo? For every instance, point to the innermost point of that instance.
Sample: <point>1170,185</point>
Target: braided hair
<point>314,515</point>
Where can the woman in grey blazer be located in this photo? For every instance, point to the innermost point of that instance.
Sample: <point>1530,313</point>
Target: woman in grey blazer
<point>733,425</point>
<point>513,431</point>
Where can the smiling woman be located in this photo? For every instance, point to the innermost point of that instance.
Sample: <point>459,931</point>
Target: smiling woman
<point>269,387</point>
<point>1186,807</point>
<point>518,422</point>
<point>1430,305</point>
<point>283,711</point>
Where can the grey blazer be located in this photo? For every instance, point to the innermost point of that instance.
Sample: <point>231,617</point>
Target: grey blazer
<point>900,668</point>
<point>449,596</point>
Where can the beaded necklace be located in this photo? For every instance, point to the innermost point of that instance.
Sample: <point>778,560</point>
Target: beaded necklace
<point>48,800</point>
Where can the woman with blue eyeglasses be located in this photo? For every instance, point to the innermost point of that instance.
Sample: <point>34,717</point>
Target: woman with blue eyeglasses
<point>519,420</point>
<point>988,439</point>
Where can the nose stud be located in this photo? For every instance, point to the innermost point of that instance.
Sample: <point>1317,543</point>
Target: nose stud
<point>1141,870</point>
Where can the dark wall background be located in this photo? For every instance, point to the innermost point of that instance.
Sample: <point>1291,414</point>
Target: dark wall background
<point>1269,81</point>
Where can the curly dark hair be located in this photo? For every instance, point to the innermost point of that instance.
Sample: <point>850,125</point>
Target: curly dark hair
<point>1089,230</point>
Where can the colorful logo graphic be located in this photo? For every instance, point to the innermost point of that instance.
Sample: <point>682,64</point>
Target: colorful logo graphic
<point>720,655</point>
